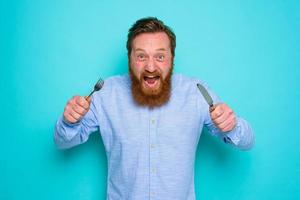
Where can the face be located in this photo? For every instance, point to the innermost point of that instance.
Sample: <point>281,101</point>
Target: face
<point>151,65</point>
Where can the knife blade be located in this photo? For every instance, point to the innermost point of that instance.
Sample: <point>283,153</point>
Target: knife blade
<point>206,96</point>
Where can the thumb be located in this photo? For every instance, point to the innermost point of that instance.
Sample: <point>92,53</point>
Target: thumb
<point>212,108</point>
<point>88,98</point>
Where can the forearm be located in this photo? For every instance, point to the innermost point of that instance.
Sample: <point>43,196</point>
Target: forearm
<point>241,136</point>
<point>67,135</point>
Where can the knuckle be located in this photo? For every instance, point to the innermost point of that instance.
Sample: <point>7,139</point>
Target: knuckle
<point>68,109</point>
<point>69,119</point>
<point>216,113</point>
<point>79,99</point>
<point>81,102</point>
<point>221,126</point>
<point>232,117</point>
<point>74,98</point>
<point>85,105</point>
<point>234,120</point>
<point>213,115</point>
<point>78,103</point>
<point>65,115</point>
<point>69,103</point>
<point>218,121</point>
<point>81,111</point>
<point>74,114</point>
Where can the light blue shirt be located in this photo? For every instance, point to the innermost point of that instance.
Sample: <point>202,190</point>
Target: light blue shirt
<point>150,152</point>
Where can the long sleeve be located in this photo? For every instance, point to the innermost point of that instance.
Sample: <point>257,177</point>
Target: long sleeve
<point>241,136</point>
<point>67,135</point>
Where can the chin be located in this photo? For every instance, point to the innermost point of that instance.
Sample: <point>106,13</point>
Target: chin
<point>151,89</point>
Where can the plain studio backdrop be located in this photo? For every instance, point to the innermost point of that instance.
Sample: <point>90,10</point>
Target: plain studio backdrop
<point>248,51</point>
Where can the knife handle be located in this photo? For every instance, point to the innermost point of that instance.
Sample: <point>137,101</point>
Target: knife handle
<point>211,108</point>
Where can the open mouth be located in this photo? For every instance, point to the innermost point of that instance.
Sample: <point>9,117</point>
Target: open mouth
<point>151,80</point>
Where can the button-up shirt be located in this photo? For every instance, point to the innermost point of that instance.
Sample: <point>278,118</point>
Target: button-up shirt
<point>150,151</point>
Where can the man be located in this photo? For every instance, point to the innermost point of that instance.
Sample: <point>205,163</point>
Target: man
<point>150,121</point>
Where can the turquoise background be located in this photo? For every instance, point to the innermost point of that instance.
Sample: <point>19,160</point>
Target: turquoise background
<point>248,51</point>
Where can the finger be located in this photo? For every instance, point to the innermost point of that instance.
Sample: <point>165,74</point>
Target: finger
<point>212,108</point>
<point>69,118</point>
<point>229,127</point>
<point>218,111</point>
<point>79,109</point>
<point>74,105</point>
<point>83,102</point>
<point>88,98</point>
<point>226,114</point>
<point>75,115</point>
<point>74,99</point>
<point>221,118</point>
<point>224,124</point>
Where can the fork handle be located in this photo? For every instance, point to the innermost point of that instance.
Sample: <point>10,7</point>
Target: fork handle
<point>88,98</point>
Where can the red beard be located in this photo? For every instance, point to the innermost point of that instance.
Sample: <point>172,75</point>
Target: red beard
<point>147,96</point>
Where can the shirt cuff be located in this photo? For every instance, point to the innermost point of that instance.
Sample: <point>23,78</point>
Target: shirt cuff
<point>232,137</point>
<point>68,123</point>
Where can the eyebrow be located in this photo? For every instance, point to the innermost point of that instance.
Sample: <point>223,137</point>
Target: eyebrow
<point>160,49</point>
<point>139,49</point>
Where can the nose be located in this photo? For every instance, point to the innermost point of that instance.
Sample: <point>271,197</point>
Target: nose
<point>150,66</point>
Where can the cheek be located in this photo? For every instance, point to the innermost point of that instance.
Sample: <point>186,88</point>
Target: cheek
<point>137,68</point>
<point>165,68</point>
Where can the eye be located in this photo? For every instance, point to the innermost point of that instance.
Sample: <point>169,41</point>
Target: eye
<point>160,58</point>
<point>141,57</point>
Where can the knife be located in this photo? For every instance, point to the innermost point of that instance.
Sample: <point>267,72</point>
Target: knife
<point>206,96</point>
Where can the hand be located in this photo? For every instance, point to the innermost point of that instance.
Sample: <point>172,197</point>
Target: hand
<point>76,108</point>
<point>223,117</point>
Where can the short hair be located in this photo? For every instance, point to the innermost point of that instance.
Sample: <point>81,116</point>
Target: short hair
<point>150,25</point>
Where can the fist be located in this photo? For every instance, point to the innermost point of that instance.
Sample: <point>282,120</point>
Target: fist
<point>76,108</point>
<point>223,117</point>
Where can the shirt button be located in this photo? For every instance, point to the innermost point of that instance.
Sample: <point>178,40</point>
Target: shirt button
<point>153,121</point>
<point>153,170</point>
<point>152,194</point>
<point>152,146</point>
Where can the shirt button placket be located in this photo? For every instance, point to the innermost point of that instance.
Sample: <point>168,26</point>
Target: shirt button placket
<point>153,157</point>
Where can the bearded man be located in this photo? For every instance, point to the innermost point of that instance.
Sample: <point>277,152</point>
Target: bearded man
<point>150,121</point>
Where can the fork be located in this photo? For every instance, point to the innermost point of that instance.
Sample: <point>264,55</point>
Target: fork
<point>97,87</point>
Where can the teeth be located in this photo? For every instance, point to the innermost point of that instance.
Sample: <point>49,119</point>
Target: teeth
<point>151,76</point>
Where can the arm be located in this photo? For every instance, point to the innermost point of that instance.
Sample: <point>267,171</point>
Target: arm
<point>241,136</point>
<point>221,121</point>
<point>76,124</point>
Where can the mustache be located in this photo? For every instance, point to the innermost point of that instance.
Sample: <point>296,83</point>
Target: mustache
<point>146,73</point>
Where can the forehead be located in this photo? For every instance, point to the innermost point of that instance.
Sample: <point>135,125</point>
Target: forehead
<point>151,40</point>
